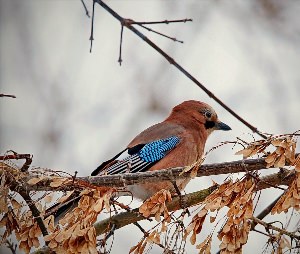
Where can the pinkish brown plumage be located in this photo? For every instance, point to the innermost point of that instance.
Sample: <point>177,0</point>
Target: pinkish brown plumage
<point>192,122</point>
<point>178,141</point>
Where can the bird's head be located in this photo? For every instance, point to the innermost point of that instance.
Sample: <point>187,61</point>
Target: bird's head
<point>201,113</point>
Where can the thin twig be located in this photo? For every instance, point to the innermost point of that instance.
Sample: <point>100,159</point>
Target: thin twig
<point>180,68</point>
<point>11,246</point>
<point>15,186</point>
<point>92,27</point>
<point>86,10</point>
<point>162,22</point>
<point>7,95</point>
<point>153,31</point>
<point>265,212</point>
<point>121,42</point>
<point>15,156</point>
<point>281,231</point>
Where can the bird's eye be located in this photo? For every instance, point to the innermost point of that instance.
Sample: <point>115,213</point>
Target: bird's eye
<point>207,114</point>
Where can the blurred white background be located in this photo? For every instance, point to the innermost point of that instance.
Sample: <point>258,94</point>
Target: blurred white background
<point>75,109</point>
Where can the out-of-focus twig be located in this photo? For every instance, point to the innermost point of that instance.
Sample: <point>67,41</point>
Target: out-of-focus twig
<point>11,246</point>
<point>179,67</point>
<point>7,95</point>
<point>85,9</point>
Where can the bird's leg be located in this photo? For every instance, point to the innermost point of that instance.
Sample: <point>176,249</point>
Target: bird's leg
<point>129,163</point>
<point>181,201</point>
<point>176,188</point>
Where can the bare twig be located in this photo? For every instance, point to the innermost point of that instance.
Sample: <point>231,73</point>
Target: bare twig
<point>35,212</point>
<point>142,24</point>
<point>11,246</point>
<point>86,10</point>
<point>179,67</point>
<point>163,22</point>
<point>14,185</point>
<point>268,226</point>
<point>16,156</point>
<point>265,212</point>
<point>92,27</point>
<point>121,42</point>
<point>7,95</point>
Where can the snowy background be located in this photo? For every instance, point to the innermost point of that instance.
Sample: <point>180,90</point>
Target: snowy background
<point>75,109</point>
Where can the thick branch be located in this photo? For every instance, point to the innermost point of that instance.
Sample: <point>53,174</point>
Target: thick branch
<point>191,199</point>
<point>35,212</point>
<point>122,219</point>
<point>127,179</point>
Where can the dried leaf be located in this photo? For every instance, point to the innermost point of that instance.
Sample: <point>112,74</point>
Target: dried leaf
<point>57,181</point>
<point>245,152</point>
<point>65,197</point>
<point>35,180</point>
<point>48,198</point>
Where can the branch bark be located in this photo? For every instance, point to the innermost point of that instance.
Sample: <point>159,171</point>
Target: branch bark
<point>123,180</point>
<point>120,220</point>
<point>191,199</point>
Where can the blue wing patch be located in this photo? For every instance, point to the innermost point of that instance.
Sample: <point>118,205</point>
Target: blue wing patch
<point>142,156</point>
<point>157,149</point>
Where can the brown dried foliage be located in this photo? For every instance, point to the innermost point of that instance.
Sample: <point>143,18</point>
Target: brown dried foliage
<point>291,197</point>
<point>283,154</point>
<point>193,169</point>
<point>238,197</point>
<point>156,205</point>
<point>78,234</point>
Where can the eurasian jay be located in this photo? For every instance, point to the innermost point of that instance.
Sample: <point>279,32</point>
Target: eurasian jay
<point>178,141</point>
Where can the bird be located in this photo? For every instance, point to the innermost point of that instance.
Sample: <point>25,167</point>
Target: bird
<point>178,141</point>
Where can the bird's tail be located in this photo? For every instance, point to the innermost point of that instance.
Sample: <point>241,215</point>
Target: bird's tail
<point>60,210</point>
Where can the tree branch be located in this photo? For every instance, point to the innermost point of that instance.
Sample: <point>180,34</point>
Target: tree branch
<point>191,199</point>
<point>123,180</point>
<point>14,186</point>
<point>123,219</point>
<point>178,66</point>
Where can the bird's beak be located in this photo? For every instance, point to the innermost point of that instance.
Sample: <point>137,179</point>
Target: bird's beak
<point>222,126</point>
